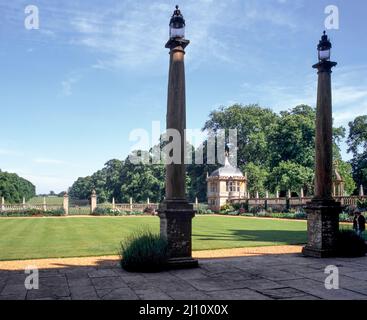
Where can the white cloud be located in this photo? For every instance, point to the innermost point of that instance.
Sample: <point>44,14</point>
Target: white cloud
<point>8,152</point>
<point>67,85</point>
<point>133,33</point>
<point>49,161</point>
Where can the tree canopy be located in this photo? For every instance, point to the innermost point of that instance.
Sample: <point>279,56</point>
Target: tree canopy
<point>357,142</point>
<point>13,188</point>
<point>275,150</point>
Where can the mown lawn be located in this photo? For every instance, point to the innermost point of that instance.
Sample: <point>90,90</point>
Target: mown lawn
<point>51,201</point>
<point>26,238</point>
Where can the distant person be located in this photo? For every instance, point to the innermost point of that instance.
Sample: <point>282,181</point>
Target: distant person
<point>359,223</point>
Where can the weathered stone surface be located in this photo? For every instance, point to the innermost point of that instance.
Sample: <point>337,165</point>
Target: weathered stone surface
<point>79,282</point>
<point>291,278</point>
<point>54,292</point>
<point>117,294</point>
<point>10,289</point>
<point>109,283</point>
<point>192,295</point>
<point>261,283</point>
<point>83,293</point>
<point>187,274</point>
<point>318,289</point>
<point>322,228</point>
<point>237,294</point>
<point>152,294</point>
<point>102,273</point>
<point>176,226</point>
<point>282,293</point>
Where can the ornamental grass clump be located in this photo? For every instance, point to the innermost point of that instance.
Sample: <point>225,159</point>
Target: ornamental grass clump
<point>350,244</point>
<point>144,251</point>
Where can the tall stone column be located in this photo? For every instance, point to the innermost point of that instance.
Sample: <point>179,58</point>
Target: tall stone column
<point>323,211</point>
<point>175,212</point>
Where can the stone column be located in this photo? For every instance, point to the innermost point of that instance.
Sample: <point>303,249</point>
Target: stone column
<point>44,206</point>
<point>323,211</point>
<point>148,202</point>
<point>361,192</point>
<point>131,204</point>
<point>93,202</point>
<point>65,204</point>
<point>113,203</point>
<point>23,204</point>
<point>175,211</point>
<point>2,207</point>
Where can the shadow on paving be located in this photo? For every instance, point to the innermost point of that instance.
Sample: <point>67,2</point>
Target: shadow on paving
<point>280,236</point>
<point>262,277</point>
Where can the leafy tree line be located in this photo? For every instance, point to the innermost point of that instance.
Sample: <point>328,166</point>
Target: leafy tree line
<point>13,188</point>
<point>357,142</point>
<point>276,151</point>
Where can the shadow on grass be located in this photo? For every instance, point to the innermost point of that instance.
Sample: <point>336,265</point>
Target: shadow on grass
<point>282,236</point>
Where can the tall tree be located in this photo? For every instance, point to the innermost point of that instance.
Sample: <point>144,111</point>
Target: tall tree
<point>252,123</point>
<point>292,176</point>
<point>292,137</point>
<point>357,143</point>
<point>13,188</point>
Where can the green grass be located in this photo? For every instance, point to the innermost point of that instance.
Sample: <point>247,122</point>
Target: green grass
<point>51,201</point>
<point>26,238</point>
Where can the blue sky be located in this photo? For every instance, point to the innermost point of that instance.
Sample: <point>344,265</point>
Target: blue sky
<point>72,91</point>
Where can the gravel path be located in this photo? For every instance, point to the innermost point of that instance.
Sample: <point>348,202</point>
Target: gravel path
<point>105,261</point>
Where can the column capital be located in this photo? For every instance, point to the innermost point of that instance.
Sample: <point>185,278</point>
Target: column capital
<point>175,43</point>
<point>324,66</point>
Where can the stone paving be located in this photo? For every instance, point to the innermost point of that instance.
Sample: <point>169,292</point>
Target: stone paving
<point>265,277</point>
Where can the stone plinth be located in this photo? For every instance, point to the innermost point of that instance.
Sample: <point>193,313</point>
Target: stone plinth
<point>175,226</point>
<point>322,228</point>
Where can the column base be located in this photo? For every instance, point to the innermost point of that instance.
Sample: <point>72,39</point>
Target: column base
<point>183,263</point>
<point>176,226</point>
<point>322,228</point>
<point>317,253</point>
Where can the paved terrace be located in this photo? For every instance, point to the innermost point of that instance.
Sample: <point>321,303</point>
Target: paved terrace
<point>261,277</point>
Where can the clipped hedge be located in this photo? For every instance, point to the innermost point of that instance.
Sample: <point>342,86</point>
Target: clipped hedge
<point>33,213</point>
